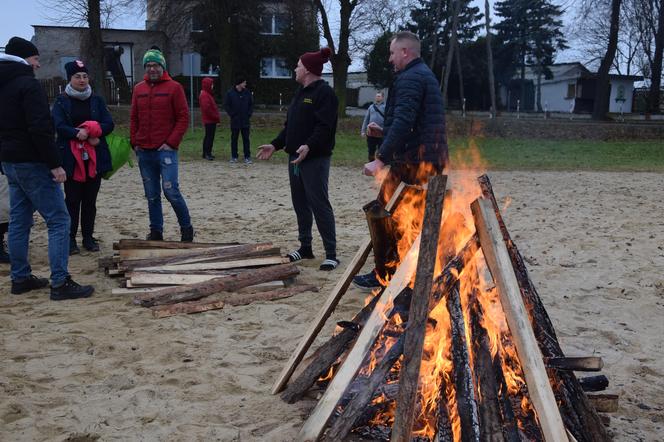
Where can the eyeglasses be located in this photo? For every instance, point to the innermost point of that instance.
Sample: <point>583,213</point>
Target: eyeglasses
<point>152,66</point>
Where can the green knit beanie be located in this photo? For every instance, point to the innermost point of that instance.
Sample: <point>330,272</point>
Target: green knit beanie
<point>154,56</point>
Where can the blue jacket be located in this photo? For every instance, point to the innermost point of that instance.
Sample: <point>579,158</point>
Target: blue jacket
<point>66,131</point>
<point>239,106</point>
<point>414,129</point>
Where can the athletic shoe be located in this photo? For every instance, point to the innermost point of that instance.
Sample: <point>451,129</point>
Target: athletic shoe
<point>367,282</point>
<point>233,160</point>
<point>90,244</point>
<point>30,283</point>
<point>71,290</point>
<point>155,235</point>
<point>248,161</point>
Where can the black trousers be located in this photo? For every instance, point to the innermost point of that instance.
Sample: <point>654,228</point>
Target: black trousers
<point>309,192</point>
<point>235,132</point>
<point>208,141</point>
<point>81,199</point>
<point>373,143</point>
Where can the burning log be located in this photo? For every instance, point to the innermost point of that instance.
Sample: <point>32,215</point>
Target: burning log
<point>465,393</point>
<point>419,309</point>
<point>226,283</point>
<point>355,408</point>
<point>491,424</point>
<point>579,415</point>
<point>330,304</point>
<point>380,224</point>
<point>530,356</point>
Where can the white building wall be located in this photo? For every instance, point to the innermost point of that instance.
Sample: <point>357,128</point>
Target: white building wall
<point>554,96</point>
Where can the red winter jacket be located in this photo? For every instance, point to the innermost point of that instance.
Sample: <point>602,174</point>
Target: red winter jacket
<point>209,110</point>
<point>159,113</point>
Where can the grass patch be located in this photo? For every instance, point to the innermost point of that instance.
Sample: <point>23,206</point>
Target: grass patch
<point>497,153</point>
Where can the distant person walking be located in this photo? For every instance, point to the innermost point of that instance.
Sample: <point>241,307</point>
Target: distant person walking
<point>82,122</point>
<point>239,105</point>
<point>308,137</point>
<point>209,115</point>
<point>33,166</point>
<point>372,126</point>
<point>159,120</point>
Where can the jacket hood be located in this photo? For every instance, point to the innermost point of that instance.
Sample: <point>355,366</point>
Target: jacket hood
<point>207,84</point>
<point>12,67</point>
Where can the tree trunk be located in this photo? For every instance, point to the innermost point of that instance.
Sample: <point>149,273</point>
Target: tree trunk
<point>602,90</point>
<point>434,35</point>
<point>539,93</point>
<point>452,46</point>
<point>462,95</point>
<point>654,95</point>
<point>93,49</point>
<point>489,57</point>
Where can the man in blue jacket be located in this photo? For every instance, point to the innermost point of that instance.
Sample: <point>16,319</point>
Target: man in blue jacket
<point>414,142</point>
<point>33,166</point>
<point>239,105</point>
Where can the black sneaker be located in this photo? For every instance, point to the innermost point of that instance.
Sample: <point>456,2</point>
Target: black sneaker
<point>186,234</point>
<point>71,290</point>
<point>367,282</point>
<point>155,235</point>
<point>73,247</point>
<point>90,244</point>
<point>30,283</point>
<point>4,256</point>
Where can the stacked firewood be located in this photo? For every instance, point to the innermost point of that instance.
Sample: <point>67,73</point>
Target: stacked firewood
<point>176,278</point>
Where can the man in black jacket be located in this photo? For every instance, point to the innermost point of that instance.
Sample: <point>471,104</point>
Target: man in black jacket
<point>31,161</point>
<point>239,105</point>
<point>414,141</point>
<point>308,137</point>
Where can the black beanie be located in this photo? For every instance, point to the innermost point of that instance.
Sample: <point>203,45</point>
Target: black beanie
<point>74,67</point>
<point>240,79</point>
<point>20,48</point>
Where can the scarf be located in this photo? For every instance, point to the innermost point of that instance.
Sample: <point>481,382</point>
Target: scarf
<point>73,93</point>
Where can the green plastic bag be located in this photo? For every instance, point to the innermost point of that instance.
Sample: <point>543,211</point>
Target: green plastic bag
<point>120,149</point>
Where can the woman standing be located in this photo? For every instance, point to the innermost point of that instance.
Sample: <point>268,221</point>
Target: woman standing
<point>82,121</point>
<point>209,115</point>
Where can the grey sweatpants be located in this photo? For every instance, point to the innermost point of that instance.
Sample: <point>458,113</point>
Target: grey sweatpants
<point>308,183</point>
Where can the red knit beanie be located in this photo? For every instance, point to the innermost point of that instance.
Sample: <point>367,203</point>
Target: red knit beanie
<point>314,61</point>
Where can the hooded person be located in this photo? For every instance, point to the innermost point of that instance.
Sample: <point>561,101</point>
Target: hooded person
<point>82,122</point>
<point>32,164</point>
<point>209,115</point>
<point>239,105</point>
<point>308,137</point>
<point>159,120</point>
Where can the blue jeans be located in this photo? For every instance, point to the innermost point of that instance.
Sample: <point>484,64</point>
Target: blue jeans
<point>31,187</point>
<point>159,170</point>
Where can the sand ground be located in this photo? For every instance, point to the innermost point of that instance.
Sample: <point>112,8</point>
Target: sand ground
<point>104,369</point>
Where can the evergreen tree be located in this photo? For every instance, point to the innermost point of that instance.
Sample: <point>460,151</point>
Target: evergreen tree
<point>529,34</point>
<point>379,70</point>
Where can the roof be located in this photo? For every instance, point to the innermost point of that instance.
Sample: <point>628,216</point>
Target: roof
<point>103,29</point>
<point>573,70</point>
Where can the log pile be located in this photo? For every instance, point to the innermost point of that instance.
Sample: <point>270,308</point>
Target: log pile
<point>174,278</point>
<point>370,369</point>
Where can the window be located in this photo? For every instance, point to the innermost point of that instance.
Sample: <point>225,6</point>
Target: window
<point>571,90</point>
<point>274,24</point>
<point>274,67</point>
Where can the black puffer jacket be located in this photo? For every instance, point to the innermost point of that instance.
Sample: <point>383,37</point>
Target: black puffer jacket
<point>414,129</point>
<point>26,129</point>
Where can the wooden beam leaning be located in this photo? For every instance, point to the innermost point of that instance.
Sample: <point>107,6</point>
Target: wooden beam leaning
<point>530,356</point>
<point>315,425</point>
<point>330,304</point>
<point>419,311</point>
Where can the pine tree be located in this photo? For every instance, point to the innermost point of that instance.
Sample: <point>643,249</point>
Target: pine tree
<point>529,34</point>
<point>379,71</point>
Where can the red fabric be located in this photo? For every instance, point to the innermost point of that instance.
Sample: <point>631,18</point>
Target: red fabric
<point>209,110</point>
<point>159,113</point>
<point>78,147</point>
<point>314,61</point>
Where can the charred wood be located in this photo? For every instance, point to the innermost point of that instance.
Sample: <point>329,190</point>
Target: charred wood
<point>594,383</point>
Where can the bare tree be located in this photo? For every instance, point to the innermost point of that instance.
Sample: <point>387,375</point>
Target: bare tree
<point>602,90</point>
<point>489,57</point>
<point>654,95</point>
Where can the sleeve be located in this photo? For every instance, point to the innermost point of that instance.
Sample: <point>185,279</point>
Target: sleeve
<point>61,123</point>
<point>105,119</point>
<point>407,100</point>
<point>40,124</point>
<point>280,142</point>
<point>365,122</point>
<point>181,110</point>
<point>251,105</point>
<point>227,104</point>
<point>325,117</point>
<point>133,119</point>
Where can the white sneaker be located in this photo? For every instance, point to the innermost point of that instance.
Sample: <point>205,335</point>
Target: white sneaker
<point>233,160</point>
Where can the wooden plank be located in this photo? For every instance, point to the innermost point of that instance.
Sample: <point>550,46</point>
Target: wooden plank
<point>419,311</point>
<point>530,356</point>
<point>314,426</point>
<point>142,278</point>
<point>237,299</point>
<point>145,244</point>
<point>330,304</point>
<point>604,403</point>
<point>135,291</point>
<point>583,363</point>
<point>219,265</point>
<point>129,254</point>
<point>164,311</point>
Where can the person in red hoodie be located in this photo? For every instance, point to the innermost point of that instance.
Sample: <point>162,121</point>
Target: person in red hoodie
<point>209,115</point>
<point>159,119</point>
